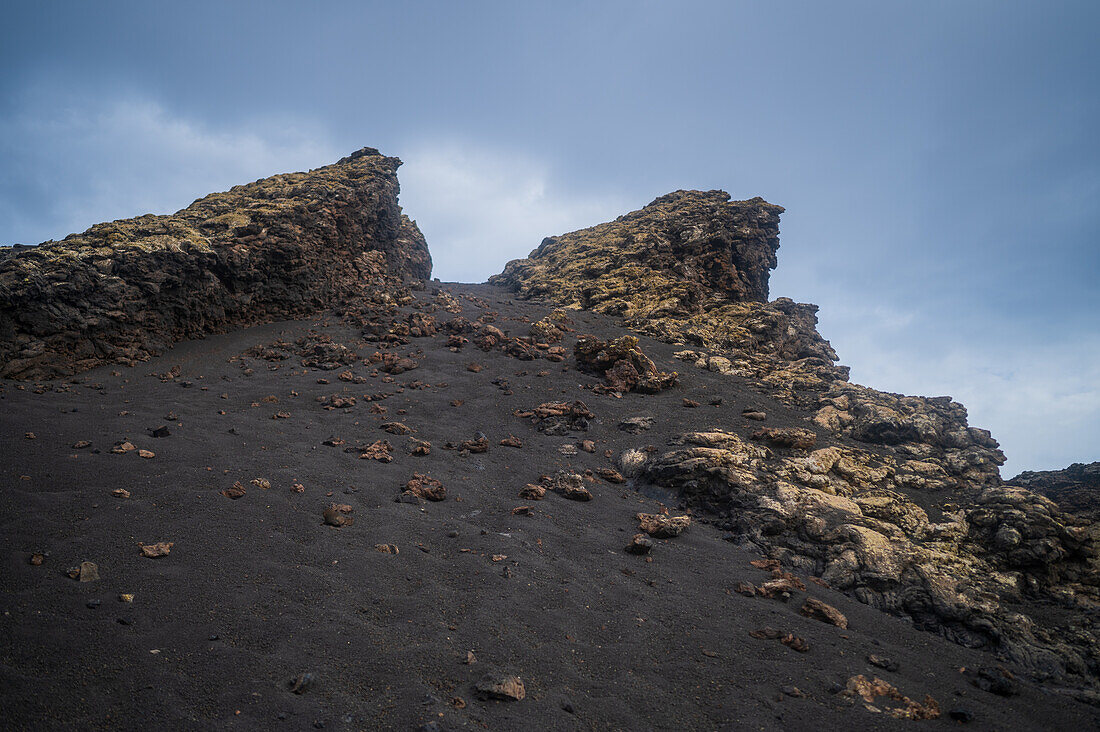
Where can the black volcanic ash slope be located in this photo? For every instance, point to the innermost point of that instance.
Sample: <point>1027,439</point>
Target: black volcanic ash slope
<point>411,510</point>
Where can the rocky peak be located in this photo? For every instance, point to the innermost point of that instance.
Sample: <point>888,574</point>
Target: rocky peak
<point>684,250</point>
<point>280,247</point>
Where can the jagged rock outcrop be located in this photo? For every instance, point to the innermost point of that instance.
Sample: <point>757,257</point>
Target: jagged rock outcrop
<point>894,499</point>
<point>280,247</point>
<point>1075,489</point>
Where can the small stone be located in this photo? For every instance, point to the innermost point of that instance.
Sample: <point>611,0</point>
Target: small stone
<point>690,403</point>
<point>302,683</point>
<point>883,663</point>
<point>610,475</point>
<point>147,454</point>
<point>523,511</point>
<point>160,549</point>
<point>639,545</point>
<point>793,691</point>
<point>263,483</point>
<point>88,572</point>
<point>161,431</point>
<point>126,597</point>
<point>426,487</point>
<point>636,425</point>
<point>660,526</point>
<point>31,436</point>
<point>532,492</point>
<point>588,445</point>
<point>818,610</point>
<point>123,447</point>
<point>386,548</point>
<point>37,558</point>
<point>470,659</point>
<point>81,444</point>
<point>754,414</point>
<point>236,491</point>
<point>498,686</point>
<point>335,516</point>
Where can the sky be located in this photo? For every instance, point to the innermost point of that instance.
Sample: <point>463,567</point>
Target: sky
<point>939,161</point>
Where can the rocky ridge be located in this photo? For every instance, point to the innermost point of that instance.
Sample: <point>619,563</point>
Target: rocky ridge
<point>1075,489</point>
<point>280,247</point>
<point>895,499</point>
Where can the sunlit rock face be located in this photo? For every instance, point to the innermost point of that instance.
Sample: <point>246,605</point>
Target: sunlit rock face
<point>277,248</point>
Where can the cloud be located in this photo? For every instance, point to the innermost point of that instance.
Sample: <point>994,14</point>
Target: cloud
<point>72,162</point>
<point>1041,400</point>
<point>480,207</point>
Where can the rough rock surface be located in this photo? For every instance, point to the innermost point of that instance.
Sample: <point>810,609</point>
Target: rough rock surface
<point>1075,489</point>
<point>901,504</point>
<point>280,247</point>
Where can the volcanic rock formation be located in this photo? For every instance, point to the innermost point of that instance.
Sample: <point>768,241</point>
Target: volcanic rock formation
<point>281,247</point>
<point>901,503</point>
<point>1075,489</point>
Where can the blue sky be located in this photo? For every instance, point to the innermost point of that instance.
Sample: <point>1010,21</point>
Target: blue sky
<point>939,161</point>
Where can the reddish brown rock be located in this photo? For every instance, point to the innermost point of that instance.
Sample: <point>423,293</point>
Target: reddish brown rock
<point>426,487</point>
<point>818,610</point>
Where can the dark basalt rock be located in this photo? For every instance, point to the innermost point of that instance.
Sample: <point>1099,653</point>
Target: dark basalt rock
<point>281,247</point>
<point>1075,489</point>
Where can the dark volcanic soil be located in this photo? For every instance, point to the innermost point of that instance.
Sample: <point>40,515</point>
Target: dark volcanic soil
<point>257,590</point>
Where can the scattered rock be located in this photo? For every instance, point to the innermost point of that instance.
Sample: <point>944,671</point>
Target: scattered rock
<point>380,450</point>
<point>336,515</point>
<point>81,444</point>
<point>636,425</point>
<point>622,364</point>
<point>818,610</point>
<point>161,431</point>
<point>501,687</point>
<point>571,486</point>
<point>159,549</point>
<point>123,447</point>
<point>532,492</point>
<point>511,441</point>
<point>426,487</point>
<point>754,414</point>
<point>869,691</point>
<point>640,545</point>
<point>86,572</point>
<point>475,446</point>
<point>36,559</point>
<point>120,493</point>
<point>302,683</point>
<point>610,475</point>
<point>396,428</point>
<point>262,483</point>
<point>386,548</point>
<point>660,526</point>
<point>236,491</point>
<point>883,663</point>
<point>147,454</point>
